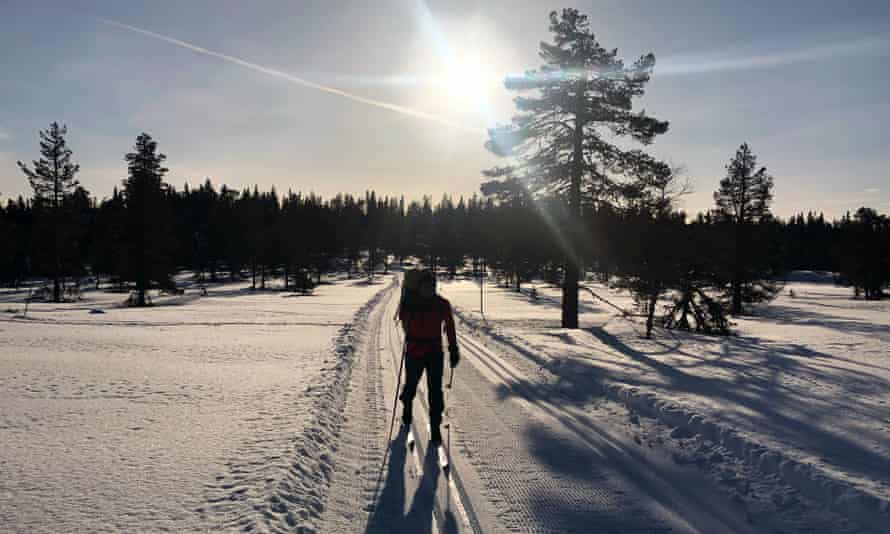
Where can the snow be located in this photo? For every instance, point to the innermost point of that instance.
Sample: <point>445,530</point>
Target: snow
<point>265,411</point>
<point>802,392</point>
<point>189,415</point>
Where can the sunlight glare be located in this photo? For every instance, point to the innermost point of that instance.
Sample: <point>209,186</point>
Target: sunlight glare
<point>466,80</point>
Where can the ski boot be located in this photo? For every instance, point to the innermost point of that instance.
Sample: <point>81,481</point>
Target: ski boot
<point>406,412</point>
<point>435,435</point>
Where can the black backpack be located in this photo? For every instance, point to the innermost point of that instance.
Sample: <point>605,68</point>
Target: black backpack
<point>411,299</point>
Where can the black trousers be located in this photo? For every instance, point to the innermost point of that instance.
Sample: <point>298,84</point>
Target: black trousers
<point>434,365</point>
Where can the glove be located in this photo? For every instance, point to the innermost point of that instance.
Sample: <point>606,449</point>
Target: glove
<point>454,355</point>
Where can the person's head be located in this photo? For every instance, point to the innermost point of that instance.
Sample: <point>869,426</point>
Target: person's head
<point>427,285</point>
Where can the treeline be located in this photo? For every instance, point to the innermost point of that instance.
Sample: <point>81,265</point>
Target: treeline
<point>224,233</point>
<point>148,230</point>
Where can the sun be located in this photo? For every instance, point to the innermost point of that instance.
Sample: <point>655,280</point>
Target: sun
<point>466,80</point>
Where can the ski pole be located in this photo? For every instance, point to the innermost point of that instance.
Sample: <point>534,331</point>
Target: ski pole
<point>395,401</point>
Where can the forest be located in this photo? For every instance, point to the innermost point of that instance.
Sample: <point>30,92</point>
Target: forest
<point>148,230</point>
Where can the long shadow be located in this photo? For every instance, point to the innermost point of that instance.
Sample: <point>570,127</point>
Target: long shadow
<point>797,316</point>
<point>563,456</point>
<point>389,513</point>
<point>779,411</point>
<point>390,505</point>
<point>419,518</point>
<point>766,397</point>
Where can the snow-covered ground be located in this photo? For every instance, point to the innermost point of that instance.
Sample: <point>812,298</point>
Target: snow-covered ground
<point>198,413</point>
<point>262,411</point>
<point>807,379</point>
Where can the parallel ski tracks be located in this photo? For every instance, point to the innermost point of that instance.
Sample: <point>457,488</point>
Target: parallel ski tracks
<point>613,449</point>
<point>456,494</point>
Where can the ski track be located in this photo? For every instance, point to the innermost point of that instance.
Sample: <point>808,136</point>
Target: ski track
<point>287,492</point>
<point>361,441</point>
<point>541,474</point>
<point>765,502</point>
<point>527,470</point>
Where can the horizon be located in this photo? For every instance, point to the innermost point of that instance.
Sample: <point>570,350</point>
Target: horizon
<point>266,97</point>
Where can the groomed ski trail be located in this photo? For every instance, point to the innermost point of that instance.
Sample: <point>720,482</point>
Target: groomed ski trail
<point>549,467</point>
<point>519,462</point>
<point>388,489</point>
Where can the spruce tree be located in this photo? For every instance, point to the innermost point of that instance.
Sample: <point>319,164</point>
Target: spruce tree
<point>148,224</point>
<point>53,181</point>
<point>743,204</point>
<point>865,252</point>
<point>579,101</point>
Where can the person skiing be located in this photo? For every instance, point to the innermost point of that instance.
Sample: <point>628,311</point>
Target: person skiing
<point>423,314</point>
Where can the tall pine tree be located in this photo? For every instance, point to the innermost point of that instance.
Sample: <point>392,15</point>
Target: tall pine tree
<point>148,226</point>
<point>743,203</point>
<point>53,181</point>
<point>579,100</point>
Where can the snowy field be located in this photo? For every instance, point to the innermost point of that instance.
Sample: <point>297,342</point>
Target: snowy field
<point>806,378</point>
<point>264,411</point>
<point>195,414</point>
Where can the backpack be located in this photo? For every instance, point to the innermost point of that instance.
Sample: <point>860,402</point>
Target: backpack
<point>411,288</point>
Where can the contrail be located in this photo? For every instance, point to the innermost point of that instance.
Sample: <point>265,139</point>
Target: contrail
<point>289,77</point>
<point>711,63</point>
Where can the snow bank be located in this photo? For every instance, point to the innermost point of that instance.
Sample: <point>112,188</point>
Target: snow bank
<point>298,502</point>
<point>213,412</point>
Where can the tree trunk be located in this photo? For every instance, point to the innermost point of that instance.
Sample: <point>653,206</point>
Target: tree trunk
<point>736,297</point>
<point>572,270</point>
<point>650,316</point>
<point>140,290</point>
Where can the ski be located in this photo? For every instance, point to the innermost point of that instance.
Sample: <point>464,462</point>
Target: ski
<point>443,457</point>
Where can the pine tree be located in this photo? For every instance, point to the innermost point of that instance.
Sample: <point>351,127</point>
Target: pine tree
<point>743,204</point>
<point>647,238</point>
<point>865,252</point>
<point>53,181</point>
<point>148,220</point>
<point>583,98</point>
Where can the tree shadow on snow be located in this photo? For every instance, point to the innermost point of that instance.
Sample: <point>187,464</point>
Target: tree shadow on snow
<point>794,315</point>
<point>760,384</point>
<point>764,380</point>
<point>567,512</point>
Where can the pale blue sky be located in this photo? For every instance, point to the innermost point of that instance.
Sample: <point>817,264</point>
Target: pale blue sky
<point>408,87</point>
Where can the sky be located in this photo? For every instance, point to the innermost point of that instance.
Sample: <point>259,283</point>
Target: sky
<point>396,95</point>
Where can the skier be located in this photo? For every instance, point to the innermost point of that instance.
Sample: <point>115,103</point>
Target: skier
<point>423,313</point>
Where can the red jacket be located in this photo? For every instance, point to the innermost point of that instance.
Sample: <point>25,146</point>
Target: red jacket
<point>423,329</point>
